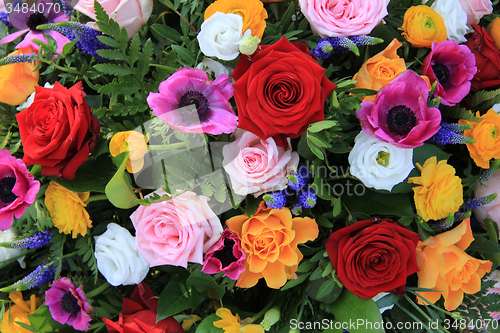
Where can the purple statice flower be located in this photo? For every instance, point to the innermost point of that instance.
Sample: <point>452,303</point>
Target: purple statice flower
<point>42,274</point>
<point>68,304</point>
<point>340,45</point>
<point>276,199</point>
<point>4,18</point>
<point>296,209</point>
<point>475,203</point>
<point>18,189</point>
<point>29,21</point>
<point>35,241</point>
<point>307,198</point>
<point>450,134</point>
<point>452,66</point>
<point>189,102</point>
<point>225,256</point>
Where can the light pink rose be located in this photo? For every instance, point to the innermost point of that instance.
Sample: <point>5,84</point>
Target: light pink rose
<point>129,14</point>
<point>476,9</point>
<point>176,231</point>
<point>336,18</point>
<point>257,166</point>
<point>491,210</point>
<point>495,276</point>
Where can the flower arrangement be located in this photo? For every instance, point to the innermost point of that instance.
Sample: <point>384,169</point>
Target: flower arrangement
<point>227,166</point>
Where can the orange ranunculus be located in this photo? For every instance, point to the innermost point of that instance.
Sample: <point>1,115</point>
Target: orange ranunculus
<point>494,30</point>
<point>487,136</point>
<point>446,268</point>
<point>252,11</point>
<point>18,80</point>
<point>380,70</point>
<point>19,311</point>
<point>422,26</point>
<point>135,143</point>
<point>440,192</point>
<point>270,238</point>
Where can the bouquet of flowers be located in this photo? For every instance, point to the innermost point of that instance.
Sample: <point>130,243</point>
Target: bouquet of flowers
<point>213,166</point>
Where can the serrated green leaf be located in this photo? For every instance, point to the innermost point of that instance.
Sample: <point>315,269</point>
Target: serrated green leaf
<point>108,41</point>
<point>111,54</point>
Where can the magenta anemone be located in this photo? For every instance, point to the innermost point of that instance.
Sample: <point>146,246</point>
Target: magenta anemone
<point>400,114</point>
<point>189,102</point>
<point>225,256</point>
<point>452,66</point>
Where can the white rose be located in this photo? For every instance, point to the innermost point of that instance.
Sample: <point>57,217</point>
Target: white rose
<point>7,236</point>
<point>379,164</point>
<point>215,68</point>
<point>117,257</point>
<point>257,166</point>
<point>454,17</point>
<point>220,36</point>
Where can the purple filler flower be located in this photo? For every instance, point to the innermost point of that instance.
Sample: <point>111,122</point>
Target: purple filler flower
<point>189,102</point>
<point>225,256</point>
<point>68,304</point>
<point>453,66</point>
<point>27,23</point>
<point>18,189</point>
<point>400,114</point>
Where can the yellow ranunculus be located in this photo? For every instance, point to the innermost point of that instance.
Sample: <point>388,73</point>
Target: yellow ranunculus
<point>422,26</point>
<point>440,193</point>
<point>487,136</point>
<point>252,11</point>
<point>134,142</point>
<point>18,80</point>
<point>19,311</point>
<point>67,209</point>
<point>380,70</point>
<point>445,267</point>
<point>232,324</point>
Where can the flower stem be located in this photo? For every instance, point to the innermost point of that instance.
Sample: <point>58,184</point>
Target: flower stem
<point>64,69</point>
<point>97,197</point>
<point>267,307</point>
<point>98,290</point>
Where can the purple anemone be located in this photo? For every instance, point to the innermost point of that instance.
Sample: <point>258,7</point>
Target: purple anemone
<point>27,23</point>
<point>189,102</point>
<point>453,66</point>
<point>68,305</point>
<point>225,256</point>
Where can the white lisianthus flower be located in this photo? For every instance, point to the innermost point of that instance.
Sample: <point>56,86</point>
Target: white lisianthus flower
<point>496,108</point>
<point>215,68</point>
<point>379,164</point>
<point>454,17</point>
<point>220,35</point>
<point>7,236</point>
<point>117,257</point>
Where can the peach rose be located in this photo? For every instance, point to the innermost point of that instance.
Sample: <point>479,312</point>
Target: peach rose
<point>380,70</point>
<point>17,80</point>
<point>446,268</point>
<point>270,238</point>
<point>176,231</point>
<point>476,9</point>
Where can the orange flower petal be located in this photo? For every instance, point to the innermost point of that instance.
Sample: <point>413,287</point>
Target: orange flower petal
<point>275,276</point>
<point>453,300</point>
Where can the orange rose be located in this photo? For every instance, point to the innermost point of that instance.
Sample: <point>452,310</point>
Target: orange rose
<point>19,311</point>
<point>380,70</point>
<point>270,238</point>
<point>422,26</point>
<point>487,136</point>
<point>446,268</point>
<point>18,80</point>
<point>494,30</point>
<point>252,11</point>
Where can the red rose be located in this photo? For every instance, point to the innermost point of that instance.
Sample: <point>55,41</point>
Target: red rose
<point>373,256</point>
<point>58,130</point>
<point>281,89</point>
<point>487,59</point>
<point>139,315</point>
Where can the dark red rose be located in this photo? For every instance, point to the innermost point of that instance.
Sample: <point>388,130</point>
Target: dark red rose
<point>58,130</point>
<point>139,315</point>
<point>487,59</point>
<point>373,256</point>
<point>280,90</point>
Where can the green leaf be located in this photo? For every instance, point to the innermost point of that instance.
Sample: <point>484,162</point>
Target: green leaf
<point>322,290</point>
<point>185,55</point>
<point>167,32</point>
<point>337,206</point>
<point>41,320</point>
<point>108,41</point>
<point>483,245</point>
<point>118,190</point>
<point>295,282</point>
<point>321,125</point>
<point>111,54</point>
<point>113,69</point>
<point>207,325</point>
<point>372,203</point>
<point>351,308</point>
<point>251,204</point>
<point>69,47</point>
<point>204,283</point>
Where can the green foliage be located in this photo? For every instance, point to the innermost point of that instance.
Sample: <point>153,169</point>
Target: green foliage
<point>86,251</point>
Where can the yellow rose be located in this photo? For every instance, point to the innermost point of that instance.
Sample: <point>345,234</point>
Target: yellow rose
<point>446,268</point>
<point>18,80</point>
<point>269,239</point>
<point>440,193</point>
<point>19,311</point>
<point>422,26</point>
<point>134,142</point>
<point>486,133</point>
<point>380,70</point>
<point>232,324</point>
<point>251,11</point>
<point>67,209</point>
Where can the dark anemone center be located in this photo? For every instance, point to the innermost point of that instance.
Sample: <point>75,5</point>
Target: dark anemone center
<point>69,303</point>
<point>6,186</point>
<point>200,102</point>
<point>35,20</point>
<point>401,119</point>
<point>442,72</point>
<point>225,255</point>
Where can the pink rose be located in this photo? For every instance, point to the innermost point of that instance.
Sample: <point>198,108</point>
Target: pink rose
<point>176,231</point>
<point>491,210</point>
<point>257,166</point>
<point>336,18</point>
<point>476,9</point>
<point>129,14</point>
<point>495,276</point>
